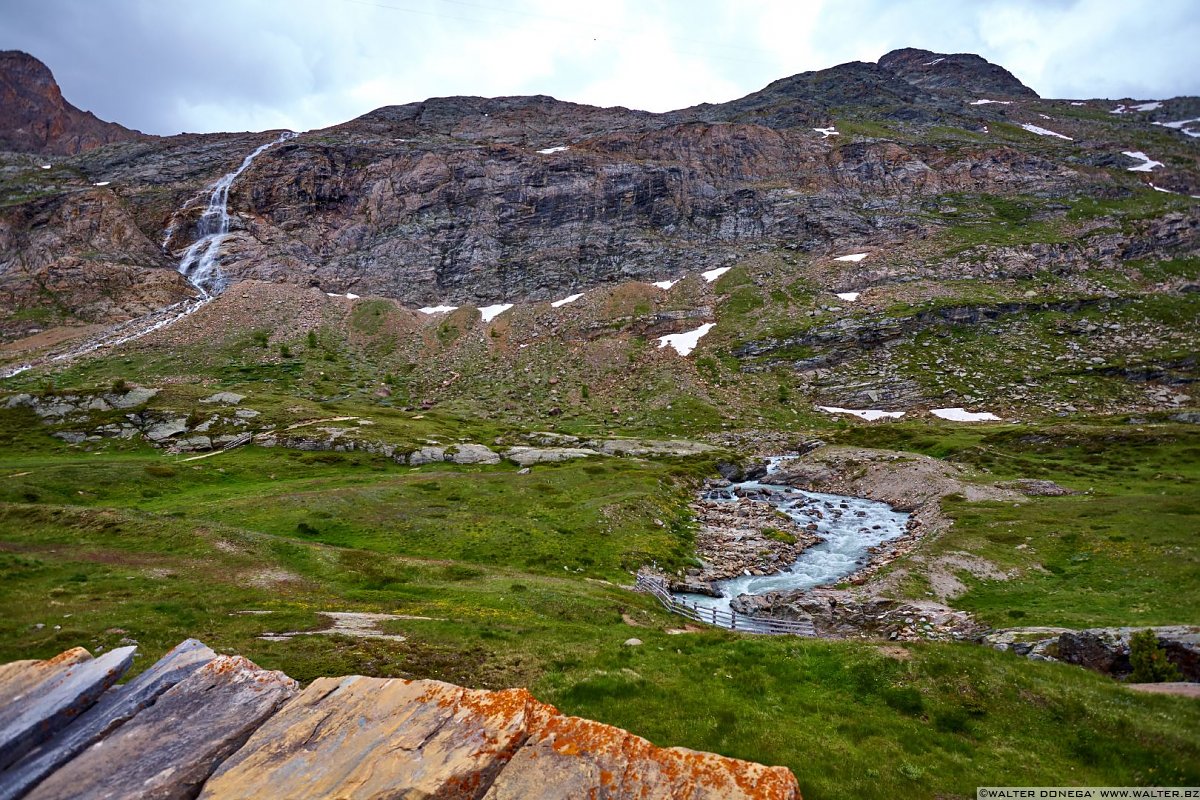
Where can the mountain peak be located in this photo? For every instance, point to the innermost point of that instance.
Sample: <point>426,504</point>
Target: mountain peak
<point>958,73</point>
<point>35,118</point>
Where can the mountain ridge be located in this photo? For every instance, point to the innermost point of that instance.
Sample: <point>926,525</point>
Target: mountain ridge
<point>37,118</point>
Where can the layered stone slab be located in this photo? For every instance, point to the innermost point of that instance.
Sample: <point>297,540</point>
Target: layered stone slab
<point>219,727</point>
<point>114,708</point>
<point>167,751</point>
<point>69,684</point>
<point>361,737</point>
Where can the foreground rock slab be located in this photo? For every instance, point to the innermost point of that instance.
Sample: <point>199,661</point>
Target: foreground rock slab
<point>113,709</point>
<point>361,737</point>
<point>358,738</point>
<point>568,757</point>
<point>218,727</point>
<point>168,750</point>
<point>45,707</point>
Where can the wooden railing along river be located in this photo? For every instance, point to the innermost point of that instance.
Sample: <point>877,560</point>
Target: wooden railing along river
<point>719,617</point>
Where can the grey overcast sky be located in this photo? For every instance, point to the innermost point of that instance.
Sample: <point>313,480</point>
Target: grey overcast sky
<point>165,66</point>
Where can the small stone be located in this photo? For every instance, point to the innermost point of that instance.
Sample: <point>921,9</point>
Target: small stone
<point>632,642</point>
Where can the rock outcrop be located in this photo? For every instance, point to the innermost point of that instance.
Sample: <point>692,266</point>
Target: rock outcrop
<point>1103,650</point>
<point>35,118</point>
<point>964,73</point>
<point>219,727</point>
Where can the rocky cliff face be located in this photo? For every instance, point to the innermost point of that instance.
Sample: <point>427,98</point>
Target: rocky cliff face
<point>957,73</point>
<point>219,727</point>
<point>35,118</point>
<point>857,209</point>
<point>473,199</point>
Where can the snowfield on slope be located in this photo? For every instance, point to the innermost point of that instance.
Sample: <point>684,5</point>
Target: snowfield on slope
<point>962,415</point>
<point>869,414</point>
<point>571,298</point>
<point>1040,131</point>
<point>686,342</point>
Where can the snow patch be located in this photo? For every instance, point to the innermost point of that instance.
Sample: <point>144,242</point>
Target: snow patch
<point>935,61</point>
<point>1153,105</point>
<point>870,414</point>
<point>1181,126</point>
<point>985,102</point>
<point>347,295</point>
<point>1118,110</point>
<point>491,312</point>
<point>1164,191</point>
<point>47,166</point>
<point>827,132</point>
<point>571,298</point>
<point>664,285</point>
<point>713,274</point>
<point>101,183</point>
<point>550,150</point>
<point>849,297</point>
<point>1147,162</point>
<point>962,415</point>
<point>1077,103</point>
<point>436,309</point>
<point>685,343</point>
<point>1044,131</point>
<point>852,257</point>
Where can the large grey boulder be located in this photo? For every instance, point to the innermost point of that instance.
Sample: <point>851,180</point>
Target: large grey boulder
<point>650,447</point>
<point>474,454</point>
<point>42,709</point>
<point>132,398</point>
<point>115,707</point>
<point>528,456</point>
<point>427,455</point>
<point>168,750</point>
<point>225,398</point>
<point>161,431</point>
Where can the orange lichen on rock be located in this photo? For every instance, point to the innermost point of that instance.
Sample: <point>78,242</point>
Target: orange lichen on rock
<point>359,737</point>
<point>568,757</point>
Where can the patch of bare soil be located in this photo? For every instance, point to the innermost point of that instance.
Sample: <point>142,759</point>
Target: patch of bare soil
<point>52,337</point>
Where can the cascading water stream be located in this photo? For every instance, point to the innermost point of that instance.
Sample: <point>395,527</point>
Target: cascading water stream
<point>199,264</point>
<point>848,526</point>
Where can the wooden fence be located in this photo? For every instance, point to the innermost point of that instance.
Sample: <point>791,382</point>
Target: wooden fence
<point>722,619</point>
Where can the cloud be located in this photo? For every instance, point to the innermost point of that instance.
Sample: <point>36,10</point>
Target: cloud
<point>254,64</point>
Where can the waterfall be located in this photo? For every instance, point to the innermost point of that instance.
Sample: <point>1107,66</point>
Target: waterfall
<point>199,264</point>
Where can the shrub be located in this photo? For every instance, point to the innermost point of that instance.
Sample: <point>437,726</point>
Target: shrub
<point>1149,659</point>
<point>120,386</point>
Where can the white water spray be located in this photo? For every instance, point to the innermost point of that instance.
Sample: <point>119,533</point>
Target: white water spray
<point>199,264</point>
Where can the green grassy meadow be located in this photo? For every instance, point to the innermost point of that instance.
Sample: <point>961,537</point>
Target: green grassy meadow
<point>522,581</point>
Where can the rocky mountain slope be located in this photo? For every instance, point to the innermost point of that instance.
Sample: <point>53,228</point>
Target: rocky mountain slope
<point>35,118</point>
<point>865,235</point>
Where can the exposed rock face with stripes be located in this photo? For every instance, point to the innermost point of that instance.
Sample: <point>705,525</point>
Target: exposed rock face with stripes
<point>219,727</point>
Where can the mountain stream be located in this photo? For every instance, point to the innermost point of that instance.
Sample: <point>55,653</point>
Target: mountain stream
<point>848,526</point>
